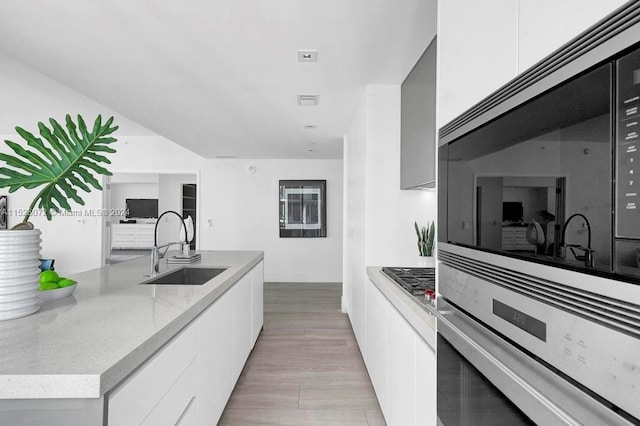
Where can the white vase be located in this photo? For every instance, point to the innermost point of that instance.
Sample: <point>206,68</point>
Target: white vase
<point>426,261</point>
<point>19,273</point>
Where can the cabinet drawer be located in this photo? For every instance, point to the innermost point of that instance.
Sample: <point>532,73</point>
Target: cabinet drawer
<point>179,404</point>
<point>134,399</point>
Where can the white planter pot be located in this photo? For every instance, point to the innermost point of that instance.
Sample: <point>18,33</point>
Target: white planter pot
<point>426,261</point>
<point>19,273</point>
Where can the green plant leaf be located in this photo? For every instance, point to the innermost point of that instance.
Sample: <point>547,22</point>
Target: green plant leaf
<point>70,162</point>
<point>430,239</point>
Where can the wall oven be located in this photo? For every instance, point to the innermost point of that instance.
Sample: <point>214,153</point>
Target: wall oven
<point>539,231</point>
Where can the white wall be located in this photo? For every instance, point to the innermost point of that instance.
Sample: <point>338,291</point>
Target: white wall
<point>379,216</point>
<point>29,97</point>
<point>243,210</point>
<point>121,191</point>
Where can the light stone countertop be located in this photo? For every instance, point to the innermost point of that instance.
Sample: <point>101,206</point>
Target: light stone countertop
<point>83,345</point>
<point>422,317</point>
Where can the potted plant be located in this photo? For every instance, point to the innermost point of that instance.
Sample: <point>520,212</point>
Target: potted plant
<point>426,237</point>
<point>62,161</point>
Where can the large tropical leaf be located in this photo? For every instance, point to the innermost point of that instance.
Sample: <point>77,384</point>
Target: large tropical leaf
<point>69,160</point>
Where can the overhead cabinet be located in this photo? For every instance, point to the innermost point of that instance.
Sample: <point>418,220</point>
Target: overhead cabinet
<point>418,123</point>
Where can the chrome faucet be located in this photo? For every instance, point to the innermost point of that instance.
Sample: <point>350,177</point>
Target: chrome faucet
<point>587,257</point>
<point>155,250</point>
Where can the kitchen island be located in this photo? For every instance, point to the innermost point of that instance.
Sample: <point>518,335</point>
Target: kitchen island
<point>68,363</point>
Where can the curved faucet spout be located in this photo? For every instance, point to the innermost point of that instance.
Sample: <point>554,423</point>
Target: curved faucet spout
<point>155,232</point>
<point>588,251</point>
<point>155,250</point>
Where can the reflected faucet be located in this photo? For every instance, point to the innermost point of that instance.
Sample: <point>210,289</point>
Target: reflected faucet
<point>155,250</point>
<point>587,257</point>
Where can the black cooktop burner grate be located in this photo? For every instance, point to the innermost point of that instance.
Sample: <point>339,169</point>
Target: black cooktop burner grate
<point>414,280</point>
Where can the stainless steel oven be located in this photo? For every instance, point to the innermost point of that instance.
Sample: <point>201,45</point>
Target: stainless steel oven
<point>560,354</point>
<point>539,232</point>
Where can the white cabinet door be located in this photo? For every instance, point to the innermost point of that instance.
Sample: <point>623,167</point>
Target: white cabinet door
<point>215,382</point>
<point>402,370</point>
<point>477,52</point>
<point>545,25</point>
<point>143,392</point>
<point>425,374</point>
<point>176,404</point>
<point>240,325</point>
<point>257,301</point>
<point>377,343</point>
<point>358,313</point>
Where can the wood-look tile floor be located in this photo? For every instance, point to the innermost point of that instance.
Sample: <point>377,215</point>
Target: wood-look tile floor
<point>306,367</point>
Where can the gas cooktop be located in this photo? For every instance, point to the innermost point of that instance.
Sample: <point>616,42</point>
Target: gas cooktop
<point>414,280</point>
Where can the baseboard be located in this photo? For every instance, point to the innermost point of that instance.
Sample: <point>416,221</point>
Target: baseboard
<point>307,277</point>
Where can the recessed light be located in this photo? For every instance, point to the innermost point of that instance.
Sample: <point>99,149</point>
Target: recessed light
<point>307,56</point>
<point>307,99</point>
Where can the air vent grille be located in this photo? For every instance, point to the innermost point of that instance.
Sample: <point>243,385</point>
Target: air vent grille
<point>307,99</point>
<point>610,312</point>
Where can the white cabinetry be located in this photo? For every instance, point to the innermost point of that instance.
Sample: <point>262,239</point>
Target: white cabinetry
<point>401,370</point>
<point>164,387</point>
<point>214,341</point>
<point>240,325</point>
<point>257,301</point>
<point>377,355</point>
<point>132,235</point>
<point>483,45</point>
<point>425,372</point>
<point>190,379</point>
<point>477,52</point>
<point>545,25</point>
<point>400,363</point>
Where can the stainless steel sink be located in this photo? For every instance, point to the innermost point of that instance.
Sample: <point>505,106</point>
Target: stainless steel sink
<point>187,276</point>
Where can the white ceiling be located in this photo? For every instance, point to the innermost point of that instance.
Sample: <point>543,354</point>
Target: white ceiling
<point>220,77</point>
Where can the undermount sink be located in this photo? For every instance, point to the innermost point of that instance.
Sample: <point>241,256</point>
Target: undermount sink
<point>187,276</point>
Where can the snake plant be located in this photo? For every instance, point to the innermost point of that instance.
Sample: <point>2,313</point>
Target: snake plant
<point>425,238</point>
<point>69,160</point>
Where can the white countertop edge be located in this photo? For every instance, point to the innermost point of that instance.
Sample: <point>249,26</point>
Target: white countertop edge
<point>421,318</point>
<point>65,386</point>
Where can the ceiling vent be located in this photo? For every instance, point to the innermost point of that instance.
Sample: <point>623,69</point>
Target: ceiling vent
<point>307,99</point>
<point>226,157</point>
<point>307,56</point>
<point>309,126</point>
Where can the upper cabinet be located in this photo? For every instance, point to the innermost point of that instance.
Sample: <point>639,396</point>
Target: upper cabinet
<point>545,25</point>
<point>477,52</point>
<point>418,123</point>
<point>484,45</point>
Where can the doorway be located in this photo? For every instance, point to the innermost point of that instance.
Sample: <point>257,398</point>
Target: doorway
<point>127,236</point>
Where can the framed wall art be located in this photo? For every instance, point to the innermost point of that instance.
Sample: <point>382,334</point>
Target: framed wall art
<point>303,208</point>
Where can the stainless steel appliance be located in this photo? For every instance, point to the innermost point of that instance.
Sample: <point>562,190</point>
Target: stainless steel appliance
<point>415,280</point>
<point>546,303</point>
